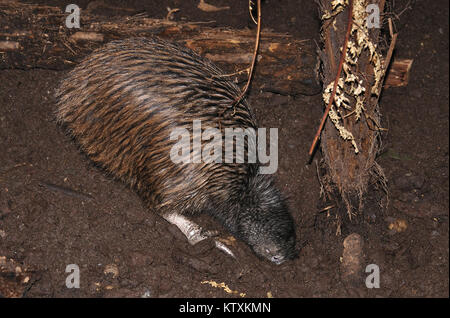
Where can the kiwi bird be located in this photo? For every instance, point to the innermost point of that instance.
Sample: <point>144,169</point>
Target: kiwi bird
<point>121,104</point>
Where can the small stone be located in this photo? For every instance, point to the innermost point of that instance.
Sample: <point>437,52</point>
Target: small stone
<point>111,269</point>
<point>351,265</point>
<point>146,294</point>
<point>399,225</point>
<point>434,234</point>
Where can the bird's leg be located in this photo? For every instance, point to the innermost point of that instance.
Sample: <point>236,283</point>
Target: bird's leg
<point>193,232</point>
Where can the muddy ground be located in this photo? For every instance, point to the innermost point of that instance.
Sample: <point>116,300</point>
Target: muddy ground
<point>123,250</point>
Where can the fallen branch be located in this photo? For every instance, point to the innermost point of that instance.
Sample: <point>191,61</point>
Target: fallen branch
<point>287,65</point>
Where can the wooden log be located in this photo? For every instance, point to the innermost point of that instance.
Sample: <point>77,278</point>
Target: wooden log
<point>34,36</point>
<point>350,138</point>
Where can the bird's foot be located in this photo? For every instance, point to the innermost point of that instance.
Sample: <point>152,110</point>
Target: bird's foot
<point>195,233</point>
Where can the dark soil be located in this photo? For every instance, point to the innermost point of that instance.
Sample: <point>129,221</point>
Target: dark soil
<point>42,231</point>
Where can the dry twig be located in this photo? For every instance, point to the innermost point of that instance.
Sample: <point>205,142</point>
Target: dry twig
<point>255,54</point>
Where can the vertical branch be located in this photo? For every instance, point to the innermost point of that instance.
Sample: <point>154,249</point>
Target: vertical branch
<point>255,54</point>
<point>338,75</point>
